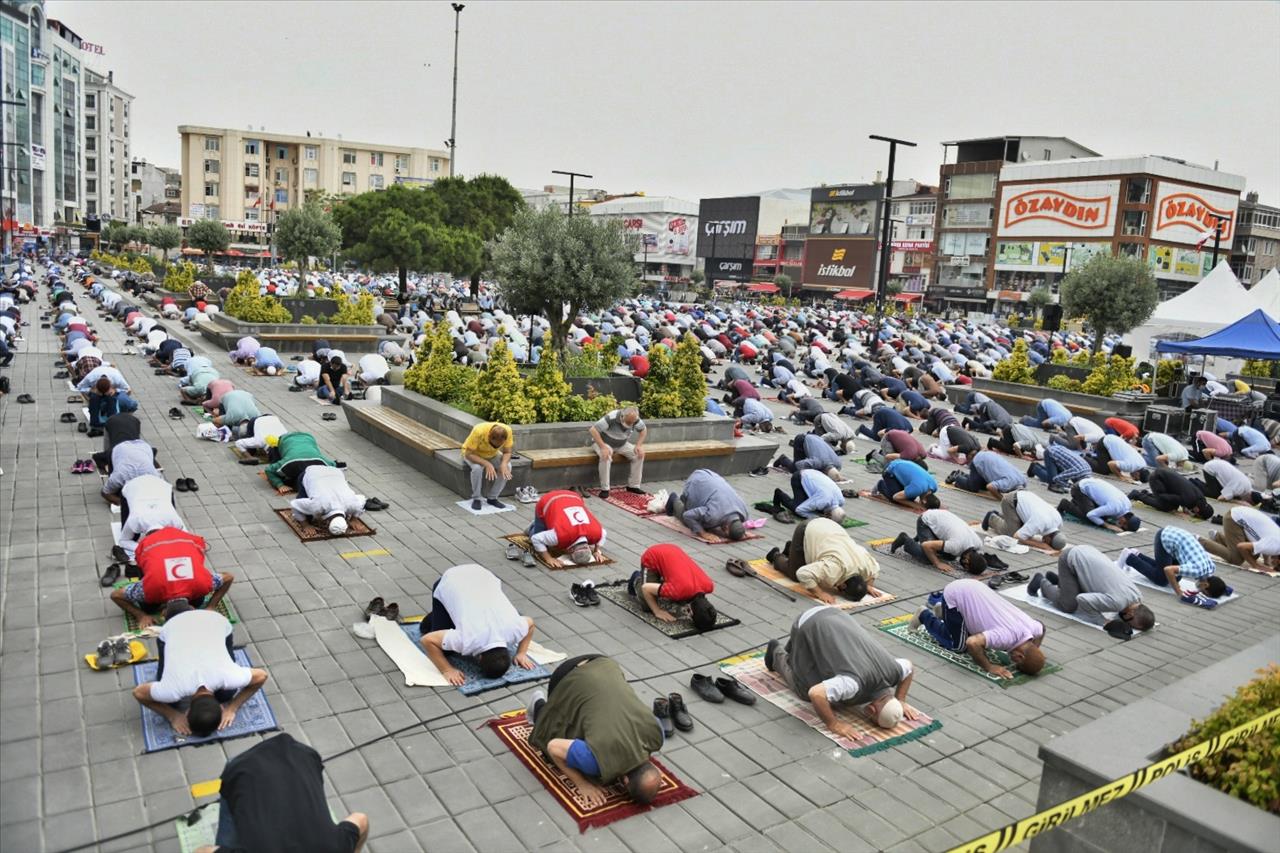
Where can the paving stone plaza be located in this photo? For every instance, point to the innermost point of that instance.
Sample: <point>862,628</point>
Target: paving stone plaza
<point>419,761</point>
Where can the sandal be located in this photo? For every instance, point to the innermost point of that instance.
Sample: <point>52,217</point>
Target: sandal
<point>67,418</point>
<point>329,416</point>
<point>176,413</point>
<point>26,398</point>
<point>75,398</point>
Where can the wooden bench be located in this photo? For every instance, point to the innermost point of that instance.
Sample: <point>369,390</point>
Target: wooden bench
<point>564,457</point>
<point>426,440</point>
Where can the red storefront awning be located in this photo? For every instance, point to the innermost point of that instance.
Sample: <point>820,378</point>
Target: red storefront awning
<point>854,295</point>
<point>908,297</point>
<point>762,287</point>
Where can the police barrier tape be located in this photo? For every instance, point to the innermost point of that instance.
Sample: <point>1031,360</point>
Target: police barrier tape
<point>1019,831</point>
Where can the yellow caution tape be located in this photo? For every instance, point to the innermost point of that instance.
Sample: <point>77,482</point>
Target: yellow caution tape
<point>206,789</point>
<point>376,552</point>
<point>1041,822</point>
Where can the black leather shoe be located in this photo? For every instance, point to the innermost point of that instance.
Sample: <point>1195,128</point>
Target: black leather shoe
<point>734,689</point>
<point>662,710</point>
<point>704,687</point>
<point>768,654</point>
<point>679,713</point>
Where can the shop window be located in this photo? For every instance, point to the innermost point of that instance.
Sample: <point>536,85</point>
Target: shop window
<point>1138,191</point>
<point>1135,223</point>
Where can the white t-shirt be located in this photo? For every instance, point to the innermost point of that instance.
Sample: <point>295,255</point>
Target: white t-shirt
<point>1261,530</point>
<point>1038,518</point>
<point>156,338</point>
<point>1086,428</point>
<point>150,501</point>
<point>482,615</point>
<point>195,656</point>
<point>1234,482</point>
<point>956,534</point>
<point>308,372</point>
<point>373,367</point>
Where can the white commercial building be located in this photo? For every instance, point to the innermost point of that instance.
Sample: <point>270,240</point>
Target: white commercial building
<point>667,229</point>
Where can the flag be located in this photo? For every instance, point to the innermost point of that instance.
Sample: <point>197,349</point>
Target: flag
<point>257,202</point>
<point>1205,238</point>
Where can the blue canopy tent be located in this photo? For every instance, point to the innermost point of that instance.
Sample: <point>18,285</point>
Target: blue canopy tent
<point>1252,336</point>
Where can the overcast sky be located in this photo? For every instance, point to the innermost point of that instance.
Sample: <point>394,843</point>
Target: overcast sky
<point>707,99</point>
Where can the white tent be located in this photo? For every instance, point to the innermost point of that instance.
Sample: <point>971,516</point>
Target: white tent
<point>1266,293</point>
<point>1218,300</point>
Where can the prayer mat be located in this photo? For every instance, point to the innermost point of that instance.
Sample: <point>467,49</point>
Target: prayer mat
<point>677,630</point>
<point>521,541</point>
<point>307,532</point>
<point>1248,568</point>
<point>769,573</point>
<point>513,730</point>
<point>1018,592</point>
<point>1188,585</point>
<point>899,626</point>
<point>1087,523</point>
<point>485,508</point>
<point>847,523</point>
<point>876,496</point>
<point>750,670</point>
<point>254,716</point>
<point>881,546</point>
<point>263,475</point>
<point>253,371</point>
<point>245,454</point>
<point>624,500</point>
<point>476,683</point>
<point>677,526</point>
<point>131,625</point>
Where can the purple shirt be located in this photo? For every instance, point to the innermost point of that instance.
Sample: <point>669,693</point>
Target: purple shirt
<point>986,612</point>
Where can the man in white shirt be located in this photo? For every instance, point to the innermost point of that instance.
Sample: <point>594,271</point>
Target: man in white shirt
<point>308,373</point>
<point>325,499</point>
<point>1082,432</point>
<point>255,433</point>
<point>942,536</point>
<point>1226,482</point>
<point>1027,517</point>
<point>373,369</point>
<point>196,664</point>
<point>1247,536</point>
<point>146,504</point>
<point>472,617</point>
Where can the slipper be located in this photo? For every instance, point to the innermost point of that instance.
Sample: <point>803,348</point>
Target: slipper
<point>374,608</point>
<point>180,484</point>
<point>375,504</point>
<point>111,575</point>
<point>26,398</point>
<point>176,413</point>
<point>67,418</point>
<point>329,416</point>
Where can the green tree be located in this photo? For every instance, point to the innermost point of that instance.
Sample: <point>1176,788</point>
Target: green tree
<point>209,236</point>
<point>1017,367</point>
<point>1039,299</point>
<point>484,207</point>
<point>1111,294</point>
<point>659,395</point>
<point>115,234</point>
<point>697,277</point>
<point>307,232</point>
<point>690,382</point>
<point>558,266</point>
<point>547,387</point>
<point>499,394</point>
<point>164,238</point>
<point>784,282</point>
<point>135,234</point>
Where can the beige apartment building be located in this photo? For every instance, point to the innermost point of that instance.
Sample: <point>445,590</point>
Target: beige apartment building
<point>247,177</point>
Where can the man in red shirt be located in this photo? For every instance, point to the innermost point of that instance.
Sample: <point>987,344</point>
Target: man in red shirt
<point>677,578</point>
<point>1122,428</point>
<point>561,521</point>
<point>639,366</point>
<point>172,563</point>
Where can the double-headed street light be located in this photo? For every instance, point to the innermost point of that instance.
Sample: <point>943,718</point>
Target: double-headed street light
<point>882,282</point>
<point>452,142</point>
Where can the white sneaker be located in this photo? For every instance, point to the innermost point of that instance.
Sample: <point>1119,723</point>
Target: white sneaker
<point>1122,562</point>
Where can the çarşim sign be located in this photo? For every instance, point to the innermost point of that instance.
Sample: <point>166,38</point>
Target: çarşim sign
<point>1057,206</point>
<point>1042,822</point>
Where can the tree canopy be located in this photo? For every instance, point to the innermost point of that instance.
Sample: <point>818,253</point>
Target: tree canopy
<point>484,206</point>
<point>558,266</point>
<point>307,232</point>
<point>209,236</point>
<point>1111,294</point>
<point>164,238</point>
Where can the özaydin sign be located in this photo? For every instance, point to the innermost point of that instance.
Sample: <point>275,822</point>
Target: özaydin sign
<point>1049,210</point>
<point>1183,213</point>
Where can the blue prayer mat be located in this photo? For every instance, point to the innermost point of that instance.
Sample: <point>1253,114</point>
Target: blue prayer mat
<point>476,683</point>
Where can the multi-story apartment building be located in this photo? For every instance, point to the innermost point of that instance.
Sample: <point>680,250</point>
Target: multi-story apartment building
<point>911,218</point>
<point>151,185</point>
<point>246,177</point>
<point>1256,248</point>
<point>107,154</point>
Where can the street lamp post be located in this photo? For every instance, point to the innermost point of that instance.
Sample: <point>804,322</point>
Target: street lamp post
<point>882,279</point>
<point>1217,236</point>
<point>453,122</point>
<point>571,175</point>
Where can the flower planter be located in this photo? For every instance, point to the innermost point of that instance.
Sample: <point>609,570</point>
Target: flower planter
<point>1175,813</point>
<point>225,330</point>
<point>1022,399</point>
<point>1048,370</point>
<point>624,387</point>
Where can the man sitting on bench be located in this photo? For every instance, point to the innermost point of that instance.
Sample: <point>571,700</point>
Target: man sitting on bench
<point>831,661</point>
<point>990,472</point>
<point>326,500</point>
<point>596,731</point>
<point>472,617</point>
<point>823,557</point>
<point>1169,491</point>
<point>941,537</point>
<point>1098,502</point>
<point>172,564</point>
<point>1090,583</point>
<point>909,484</point>
<point>973,617</point>
<point>561,521</point>
<point>666,571</point>
<point>290,455</point>
<point>709,507</point>
<point>196,664</point>
<point>487,454</point>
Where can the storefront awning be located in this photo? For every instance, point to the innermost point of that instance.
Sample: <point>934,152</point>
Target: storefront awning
<point>762,287</point>
<point>854,295</point>
<point>190,251</point>
<point>908,297</point>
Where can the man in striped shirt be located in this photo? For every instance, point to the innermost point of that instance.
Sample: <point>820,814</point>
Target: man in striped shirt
<point>1178,556</point>
<point>1060,468</point>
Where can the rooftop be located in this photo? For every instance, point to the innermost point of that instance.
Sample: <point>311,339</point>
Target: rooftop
<point>294,139</point>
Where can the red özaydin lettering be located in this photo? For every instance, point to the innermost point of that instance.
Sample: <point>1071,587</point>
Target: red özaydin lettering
<point>1194,212</point>
<point>1082,213</point>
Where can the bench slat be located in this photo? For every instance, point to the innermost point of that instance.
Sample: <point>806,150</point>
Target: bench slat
<point>572,456</point>
<point>425,438</point>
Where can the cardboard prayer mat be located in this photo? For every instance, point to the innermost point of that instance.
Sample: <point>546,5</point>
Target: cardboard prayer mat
<point>485,508</point>
<point>253,716</point>
<point>677,630</point>
<point>307,532</point>
<point>899,626</point>
<point>769,573</point>
<point>750,670</point>
<point>477,683</point>
<point>514,730</point>
<point>521,541</point>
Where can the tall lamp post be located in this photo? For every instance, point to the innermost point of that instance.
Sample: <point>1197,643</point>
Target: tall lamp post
<point>571,175</point>
<point>453,122</point>
<point>882,279</point>
<point>1217,236</point>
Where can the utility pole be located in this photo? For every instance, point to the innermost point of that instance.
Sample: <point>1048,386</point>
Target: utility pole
<point>882,278</point>
<point>453,123</point>
<point>571,175</point>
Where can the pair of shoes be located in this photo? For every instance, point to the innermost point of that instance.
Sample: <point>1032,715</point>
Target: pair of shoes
<point>26,398</point>
<point>114,652</point>
<point>721,688</point>
<point>672,714</point>
<point>584,594</point>
<point>902,539</point>
<point>186,484</point>
<point>176,413</point>
<point>526,494</point>
<point>296,387</point>
<point>75,398</point>
<point>377,607</point>
<point>1016,577</point>
<point>495,503</point>
<point>329,416</point>
<point>1033,586</point>
<point>110,576</point>
<point>370,504</point>
<point>67,418</point>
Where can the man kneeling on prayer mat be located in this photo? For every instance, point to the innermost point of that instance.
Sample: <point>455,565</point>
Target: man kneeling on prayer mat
<point>172,564</point>
<point>824,558</point>
<point>596,731</point>
<point>710,507</point>
<point>561,521</point>
<point>325,499</point>
<point>970,616</point>
<point>1092,584</point>
<point>272,798</point>
<point>254,433</point>
<point>666,571</point>
<point>290,455</point>
<point>1027,517</point>
<point>830,660</point>
<point>908,484</point>
<point>196,664</point>
<point>941,536</point>
<point>471,616</point>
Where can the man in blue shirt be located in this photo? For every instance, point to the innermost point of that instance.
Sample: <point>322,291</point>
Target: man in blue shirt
<point>812,494</point>
<point>1098,502</point>
<point>989,472</point>
<point>1179,555</point>
<point>1251,443</point>
<point>908,484</point>
<point>812,453</point>
<point>1050,414</point>
<point>1194,394</point>
<point>885,419</point>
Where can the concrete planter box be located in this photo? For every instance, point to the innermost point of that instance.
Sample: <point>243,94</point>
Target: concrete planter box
<point>315,307</point>
<point>1021,399</point>
<point>1176,813</point>
<point>1047,371</point>
<point>225,330</point>
<point>625,388</point>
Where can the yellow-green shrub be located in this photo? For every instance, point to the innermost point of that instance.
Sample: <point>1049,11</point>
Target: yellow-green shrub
<point>353,310</point>
<point>1017,367</point>
<point>244,302</point>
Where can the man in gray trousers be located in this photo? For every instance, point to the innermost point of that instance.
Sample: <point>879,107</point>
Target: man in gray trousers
<point>1089,582</point>
<point>709,507</point>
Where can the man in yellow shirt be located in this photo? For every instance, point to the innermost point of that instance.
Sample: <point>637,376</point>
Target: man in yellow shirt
<point>488,443</point>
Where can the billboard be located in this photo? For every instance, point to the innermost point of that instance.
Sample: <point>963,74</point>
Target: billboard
<point>851,210</point>
<point>1083,208</point>
<point>735,269</point>
<point>727,227</point>
<point>1048,256</point>
<point>1182,214</point>
<point>669,237</point>
<point>839,261</point>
